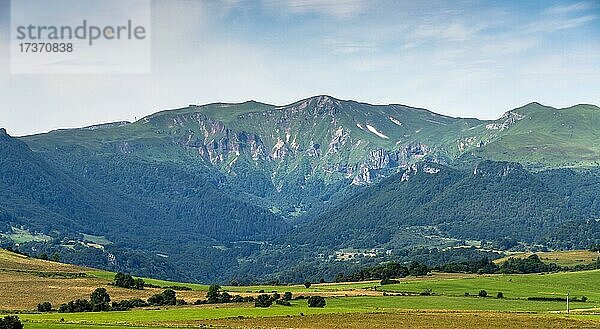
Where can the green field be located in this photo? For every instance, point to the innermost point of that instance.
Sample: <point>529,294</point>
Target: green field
<point>194,315</point>
<point>448,298</point>
<point>351,305</point>
<point>512,286</point>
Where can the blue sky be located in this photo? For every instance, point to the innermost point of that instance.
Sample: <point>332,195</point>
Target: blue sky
<point>461,58</point>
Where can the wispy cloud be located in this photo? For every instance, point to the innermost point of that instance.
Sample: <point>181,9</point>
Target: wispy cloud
<point>349,47</point>
<point>568,9</point>
<point>448,31</point>
<point>551,25</point>
<point>334,8</point>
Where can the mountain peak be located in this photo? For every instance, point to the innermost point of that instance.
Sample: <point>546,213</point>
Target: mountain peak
<point>3,132</point>
<point>323,97</point>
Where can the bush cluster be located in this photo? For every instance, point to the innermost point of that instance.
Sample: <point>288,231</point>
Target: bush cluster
<point>100,301</point>
<point>11,322</point>
<point>127,281</point>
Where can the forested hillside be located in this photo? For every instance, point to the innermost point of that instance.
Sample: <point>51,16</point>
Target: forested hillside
<point>493,200</point>
<point>220,190</point>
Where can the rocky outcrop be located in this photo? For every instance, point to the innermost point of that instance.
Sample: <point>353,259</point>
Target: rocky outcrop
<point>507,120</point>
<point>363,176</point>
<point>297,132</point>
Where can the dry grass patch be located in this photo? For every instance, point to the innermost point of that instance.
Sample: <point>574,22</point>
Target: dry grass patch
<point>23,291</point>
<point>563,258</point>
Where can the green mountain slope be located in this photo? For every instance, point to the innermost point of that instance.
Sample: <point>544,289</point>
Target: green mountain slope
<point>149,211</point>
<point>491,201</point>
<point>541,136</point>
<point>203,189</point>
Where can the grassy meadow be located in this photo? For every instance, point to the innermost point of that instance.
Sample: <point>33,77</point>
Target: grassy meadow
<point>562,258</point>
<point>25,282</point>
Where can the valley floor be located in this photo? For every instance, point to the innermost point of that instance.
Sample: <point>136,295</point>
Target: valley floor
<point>351,312</point>
<point>453,303</point>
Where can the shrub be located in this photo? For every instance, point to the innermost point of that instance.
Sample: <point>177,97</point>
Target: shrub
<point>287,295</point>
<point>100,300</point>
<point>307,284</point>
<point>316,301</point>
<point>11,322</point>
<point>79,305</point>
<point>167,297</point>
<point>388,281</point>
<point>125,305</point>
<point>426,292</point>
<point>263,301</point>
<point>44,307</point>
<point>482,293</point>
<point>500,295</point>
<point>283,302</point>
<point>583,299</point>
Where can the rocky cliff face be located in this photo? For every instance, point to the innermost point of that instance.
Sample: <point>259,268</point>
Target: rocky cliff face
<point>319,129</point>
<point>322,140</point>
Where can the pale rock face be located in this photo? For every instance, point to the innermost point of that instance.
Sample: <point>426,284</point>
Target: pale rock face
<point>416,151</point>
<point>220,145</point>
<point>314,150</point>
<point>363,177</point>
<point>339,138</point>
<point>279,150</point>
<point>410,171</point>
<point>430,170</point>
<point>378,159</point>
<point>509,118</point>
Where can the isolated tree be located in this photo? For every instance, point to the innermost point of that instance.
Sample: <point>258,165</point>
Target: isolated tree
<point>100,300</point>
<point>500,295</point>
<point>307,284</point>
<point>11,322</point>
<point>124,280</point>
<point>316,301</point>
<point>483,293</point>
<point>263,300</point>
<point>44,307</point>
<point>169,297</point>
<point>214,293</point>
<point>287,295</point>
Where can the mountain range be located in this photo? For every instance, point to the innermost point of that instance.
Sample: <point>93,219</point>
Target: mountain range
<point>211,192</point>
